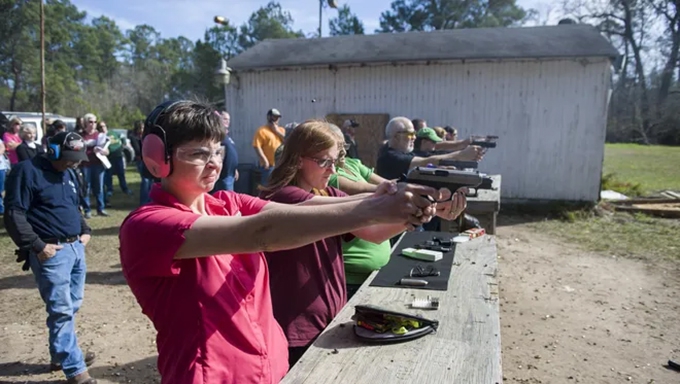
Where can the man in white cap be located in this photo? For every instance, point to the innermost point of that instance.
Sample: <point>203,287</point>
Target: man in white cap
<point>348,129</point>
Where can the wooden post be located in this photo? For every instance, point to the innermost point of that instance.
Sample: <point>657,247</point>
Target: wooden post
<point>320,17</point>
<point>42,64</point>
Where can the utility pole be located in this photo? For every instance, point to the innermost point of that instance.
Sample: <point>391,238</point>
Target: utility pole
<point>320,16</point>
<point>332,4</point>
<point>223,72</point>
<point>42,64</point>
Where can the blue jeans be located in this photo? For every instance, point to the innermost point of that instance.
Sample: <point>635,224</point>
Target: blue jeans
<point>3,172</point>
<point>226,184</point>
<point>118,169</point>
<point>61,282</point>
<point>144,185</point>
<point>265,173</point>
<point>93,176</point>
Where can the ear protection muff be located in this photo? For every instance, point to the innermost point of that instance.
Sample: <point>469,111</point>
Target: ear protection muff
<point>54,150</point>
<point>156,155</point>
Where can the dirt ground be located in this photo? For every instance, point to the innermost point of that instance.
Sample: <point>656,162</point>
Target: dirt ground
<point>567,316</point>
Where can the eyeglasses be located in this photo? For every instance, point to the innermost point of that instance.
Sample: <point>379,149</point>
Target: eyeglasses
<point>325,163</point>
<point>346,146</point>
<point>199,155</point>
<point>408,134</point>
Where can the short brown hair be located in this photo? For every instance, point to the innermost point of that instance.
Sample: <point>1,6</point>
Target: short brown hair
<point>185,121</point>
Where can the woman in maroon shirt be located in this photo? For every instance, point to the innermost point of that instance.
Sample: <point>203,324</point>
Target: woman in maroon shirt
<point>308,283</point>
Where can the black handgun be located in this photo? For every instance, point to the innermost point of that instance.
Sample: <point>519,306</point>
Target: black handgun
<point>486,142</point>
<point>459,164</point>
<point>449,178</point>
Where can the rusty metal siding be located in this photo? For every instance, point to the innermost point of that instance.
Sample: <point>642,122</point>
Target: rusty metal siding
<point>550,114</point>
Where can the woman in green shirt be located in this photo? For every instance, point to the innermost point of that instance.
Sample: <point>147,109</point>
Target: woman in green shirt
<point>361,257</point>
<point>116,158</point>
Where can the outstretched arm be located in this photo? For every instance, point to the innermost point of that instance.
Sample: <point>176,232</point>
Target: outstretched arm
<point>292,226</point>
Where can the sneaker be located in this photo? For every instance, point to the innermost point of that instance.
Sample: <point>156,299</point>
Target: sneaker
<point>102,213</point>
<point>89,358</point>
<point>88,215</point>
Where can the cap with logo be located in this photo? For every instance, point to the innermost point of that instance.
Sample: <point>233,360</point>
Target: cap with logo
<point>350,123</point>
<point>429,134</point>
<point>71,147</point>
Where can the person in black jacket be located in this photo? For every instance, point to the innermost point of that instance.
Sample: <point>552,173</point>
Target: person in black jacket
<point>28,149</point>
<point>146,178</point>
<point>348,130</point>
<point>53,129</point>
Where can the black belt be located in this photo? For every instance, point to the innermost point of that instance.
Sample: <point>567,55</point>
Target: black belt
<point>58,240</point>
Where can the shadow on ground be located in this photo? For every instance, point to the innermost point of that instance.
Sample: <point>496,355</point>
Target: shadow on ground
<point>141,371</point>
<point>19,368</point>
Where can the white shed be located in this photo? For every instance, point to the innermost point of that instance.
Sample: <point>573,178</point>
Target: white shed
<point>543,90</point>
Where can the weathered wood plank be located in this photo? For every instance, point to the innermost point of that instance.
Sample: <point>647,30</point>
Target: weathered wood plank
<point>487,200</point>
<point>466,348</point>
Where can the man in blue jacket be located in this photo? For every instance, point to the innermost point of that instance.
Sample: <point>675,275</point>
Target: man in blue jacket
<point>43,219</point>
<point>229,173</point>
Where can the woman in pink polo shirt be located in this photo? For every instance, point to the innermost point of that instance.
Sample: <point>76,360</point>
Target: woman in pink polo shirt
<point>308,283</point>
<point>194,261</point>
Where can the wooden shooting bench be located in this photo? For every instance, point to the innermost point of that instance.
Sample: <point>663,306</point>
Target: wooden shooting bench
<point>465,349</point>
<point>484,207</point>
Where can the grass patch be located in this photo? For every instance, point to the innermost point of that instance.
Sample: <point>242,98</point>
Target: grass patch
<point>616,233</point>
<point>641,169</point>
<point>634,170</point>
<point>610,182</point>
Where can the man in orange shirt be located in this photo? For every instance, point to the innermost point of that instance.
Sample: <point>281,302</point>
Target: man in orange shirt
<point>266,140</point>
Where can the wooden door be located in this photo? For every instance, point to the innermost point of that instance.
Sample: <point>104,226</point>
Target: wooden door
<point>370,134</point>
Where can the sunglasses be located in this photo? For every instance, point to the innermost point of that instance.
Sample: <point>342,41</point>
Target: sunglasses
<point>410,135</point>
<point>325,163</point>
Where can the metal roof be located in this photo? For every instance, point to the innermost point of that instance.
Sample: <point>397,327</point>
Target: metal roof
<point>559,41</point>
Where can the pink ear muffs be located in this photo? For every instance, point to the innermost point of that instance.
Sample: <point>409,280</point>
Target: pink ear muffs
<point>155,157</point>
<point>155,153</point>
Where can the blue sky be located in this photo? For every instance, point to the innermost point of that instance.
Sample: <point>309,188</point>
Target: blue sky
<point>190,18</point>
